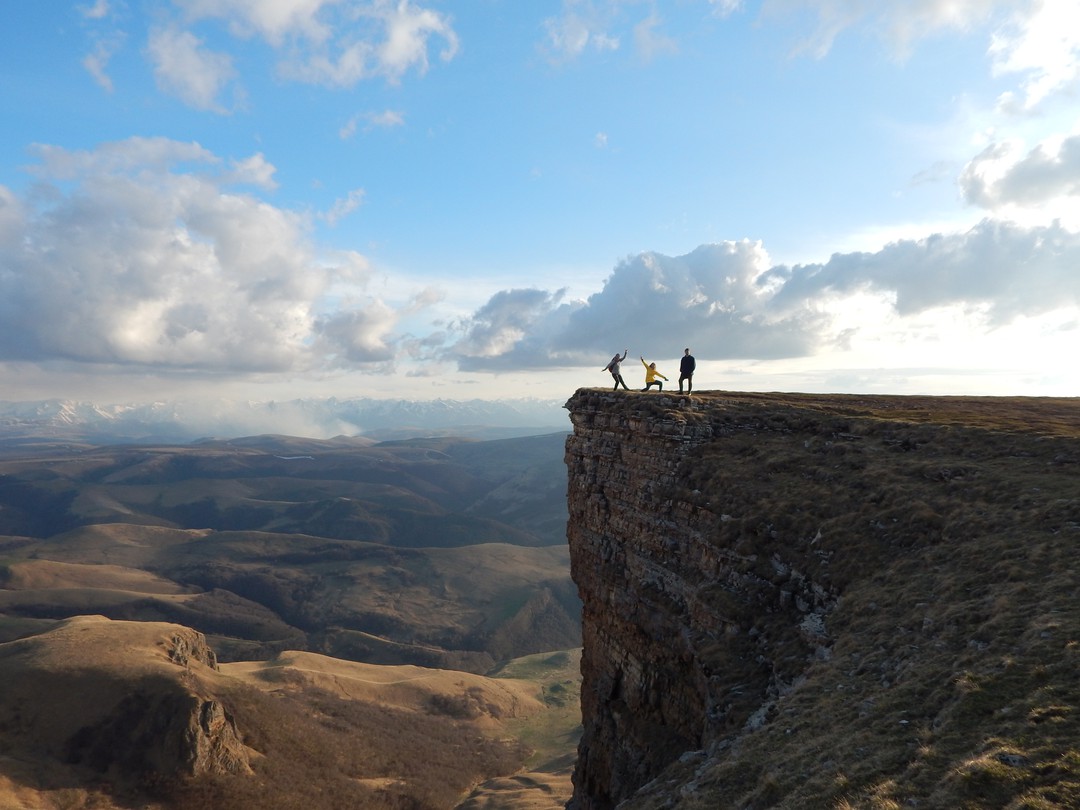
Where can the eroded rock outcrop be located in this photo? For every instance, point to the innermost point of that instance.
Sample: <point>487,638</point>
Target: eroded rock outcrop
<point>161,731</point>
<point>134,700</point>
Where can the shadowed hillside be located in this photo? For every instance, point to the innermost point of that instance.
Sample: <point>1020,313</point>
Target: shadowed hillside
<point>439,552</point>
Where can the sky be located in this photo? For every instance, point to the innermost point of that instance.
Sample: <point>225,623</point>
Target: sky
<point>436,199</point>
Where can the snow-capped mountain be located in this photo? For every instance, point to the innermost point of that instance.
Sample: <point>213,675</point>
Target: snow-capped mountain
<point>316,418</point>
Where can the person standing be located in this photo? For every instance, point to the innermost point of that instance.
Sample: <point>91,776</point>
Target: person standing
<point>686,371</point>
<point>615,367</point>
<point>651,374</point>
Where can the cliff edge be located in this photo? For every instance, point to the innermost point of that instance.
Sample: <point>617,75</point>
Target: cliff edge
<point>800,601</point>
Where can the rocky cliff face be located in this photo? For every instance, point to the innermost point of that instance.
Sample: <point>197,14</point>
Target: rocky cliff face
<point>672,657</point>
<point>733,555</point>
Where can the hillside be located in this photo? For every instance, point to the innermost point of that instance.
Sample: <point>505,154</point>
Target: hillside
<point>112,715</point>
<point>438,552</point>
<point>378,624</point>
<point>797,601</point>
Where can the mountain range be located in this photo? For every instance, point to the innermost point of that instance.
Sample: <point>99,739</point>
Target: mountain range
<point>189,420</point>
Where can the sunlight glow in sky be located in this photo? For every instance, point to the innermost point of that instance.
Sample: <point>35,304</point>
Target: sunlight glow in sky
<point>272,199</point>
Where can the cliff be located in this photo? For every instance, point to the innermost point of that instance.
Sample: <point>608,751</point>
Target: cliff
<point>826,601</point>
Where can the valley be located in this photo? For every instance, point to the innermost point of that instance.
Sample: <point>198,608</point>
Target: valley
<point>346,589</point>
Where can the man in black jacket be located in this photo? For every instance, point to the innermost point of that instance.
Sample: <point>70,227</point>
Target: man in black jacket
<point>686,371</point>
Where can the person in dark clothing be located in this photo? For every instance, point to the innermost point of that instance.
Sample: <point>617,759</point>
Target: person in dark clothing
<point>686,371</point>
<point>615,367</point>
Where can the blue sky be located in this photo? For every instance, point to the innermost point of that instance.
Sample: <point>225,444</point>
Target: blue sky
<point>269,199</point>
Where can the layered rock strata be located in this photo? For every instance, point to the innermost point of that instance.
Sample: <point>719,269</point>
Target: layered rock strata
<point>749,563</point>
<point>671,656</point>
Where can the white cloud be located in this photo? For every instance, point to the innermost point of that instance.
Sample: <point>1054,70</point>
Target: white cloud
<point>727,297</point>
<point>512,329</point>
<point>1002,269</point>
<point>344,206</point>
<point>1042,42</point>
<point>725,8</point>
<point>142,253</point>
<point>381,120</point>
<point>381,39</point>
<point>183,67</point>
<point>900,22</point>
<point>1002,176</point>
<point>358,335</point>
<point>98,11</point>
<point>273,20</point>
<point>650,42</point>
<point>255,171</point>
<point>716,294</point>
<point>335,42</point>
<point>97,61</point>
<point>12,218</point>
<point>581,27</point>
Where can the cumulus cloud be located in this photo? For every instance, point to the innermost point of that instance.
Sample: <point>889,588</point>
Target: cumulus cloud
<point>1042,42</point>
<point>185,68</point>
<point>255,170</point>
<point>380,39</point>
<point>1002,175</point>
<point>727,297</point>
<point>718,294</point>
<point>145,253</point>
<point>152,253</point>
<point>514,329</point>
<point>330,42</point>
<point>357,336</point>
<point>1002,269</point>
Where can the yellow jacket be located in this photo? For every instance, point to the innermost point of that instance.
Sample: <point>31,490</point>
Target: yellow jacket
<point>651,373</point>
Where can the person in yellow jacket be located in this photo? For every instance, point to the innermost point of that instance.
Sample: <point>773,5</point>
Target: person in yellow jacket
<point>651,374</point>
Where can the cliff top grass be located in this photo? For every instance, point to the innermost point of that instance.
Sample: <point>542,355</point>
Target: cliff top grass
<point>1046,416</point>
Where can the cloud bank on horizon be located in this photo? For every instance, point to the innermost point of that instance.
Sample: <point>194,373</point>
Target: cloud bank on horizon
<point>178,251</point>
